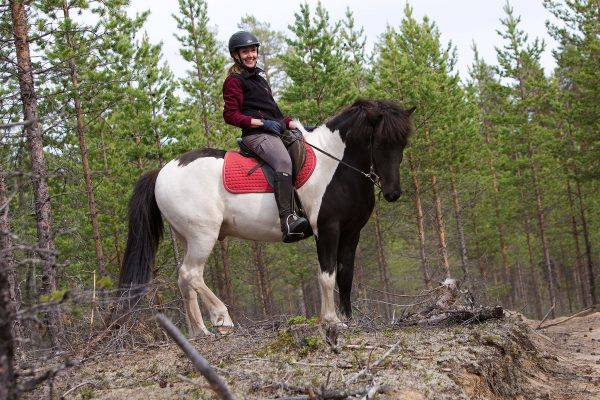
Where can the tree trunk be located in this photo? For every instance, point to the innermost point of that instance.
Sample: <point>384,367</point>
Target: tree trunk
<point>532,265</point>
<point>542,226</point>
<point>223,246</point>
<point>8,301</point>
<point>39,176</point>
<point>384,273</point>
<point>588,247</point>
<point>520,289</point>
<point>6,245</point>
<point>87,175</point>
<point>480,264</point>
<point>358,273</point>
<point>261,278</point>
<point>499,224</point>
<point>464,260</point>
<point>302,296</point>
<point>439,216</point>
<point>218,277</point>
<point>420,224</point>
<point>8,380</point>
<point>578,256</point>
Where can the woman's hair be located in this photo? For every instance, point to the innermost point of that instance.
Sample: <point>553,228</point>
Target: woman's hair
<point>234,69</point>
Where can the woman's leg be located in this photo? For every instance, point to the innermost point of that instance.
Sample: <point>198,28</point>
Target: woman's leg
<point>272,150</point>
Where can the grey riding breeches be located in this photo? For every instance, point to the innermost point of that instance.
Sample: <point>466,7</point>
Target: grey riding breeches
<point>271,149</point>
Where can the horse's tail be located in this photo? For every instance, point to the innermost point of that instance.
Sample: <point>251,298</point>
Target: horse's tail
<point>144,233</point>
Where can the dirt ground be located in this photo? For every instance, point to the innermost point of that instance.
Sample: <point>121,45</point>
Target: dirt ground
<point>498,359</point>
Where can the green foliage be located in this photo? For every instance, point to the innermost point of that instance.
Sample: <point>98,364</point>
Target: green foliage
<point>319,71</point>
<point>300,320</point>
<point>54,296</point>
<point>105,283</point>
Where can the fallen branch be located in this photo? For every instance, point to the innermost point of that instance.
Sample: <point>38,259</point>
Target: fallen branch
<point>433,317</point>
<point>377,363</point>
<point>65,394</point>
<point>581,313</point>
<point>216,383</point>
<point>546,316</point>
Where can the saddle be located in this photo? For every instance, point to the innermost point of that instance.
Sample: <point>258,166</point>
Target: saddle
<point>245,172</point>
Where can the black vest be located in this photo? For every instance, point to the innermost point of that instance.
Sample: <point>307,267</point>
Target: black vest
<point>258,99</point>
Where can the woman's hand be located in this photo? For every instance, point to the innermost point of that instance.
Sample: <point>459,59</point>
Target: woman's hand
<point>273,126</point>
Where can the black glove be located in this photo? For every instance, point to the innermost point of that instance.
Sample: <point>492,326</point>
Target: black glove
<point>273,126</point>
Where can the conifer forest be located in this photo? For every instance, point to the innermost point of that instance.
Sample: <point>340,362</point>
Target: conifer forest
<point>500,180</point>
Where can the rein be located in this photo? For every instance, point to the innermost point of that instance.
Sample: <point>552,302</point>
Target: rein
<point>371,175</point>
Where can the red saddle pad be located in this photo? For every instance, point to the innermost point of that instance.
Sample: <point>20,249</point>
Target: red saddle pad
<point>236,178</point>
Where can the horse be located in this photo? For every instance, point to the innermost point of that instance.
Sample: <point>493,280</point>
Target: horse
<point>358,148</point>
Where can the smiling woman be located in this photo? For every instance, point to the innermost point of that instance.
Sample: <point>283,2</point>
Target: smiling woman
<point>249,105</point>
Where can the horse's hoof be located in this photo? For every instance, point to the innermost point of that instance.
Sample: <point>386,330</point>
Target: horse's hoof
<point>225,330</point>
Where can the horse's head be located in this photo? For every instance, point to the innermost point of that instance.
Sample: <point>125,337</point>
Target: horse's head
<point>376,133</point>
<point>389,139</point>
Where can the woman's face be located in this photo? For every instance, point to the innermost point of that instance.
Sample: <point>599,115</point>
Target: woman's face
<point>248,56</point>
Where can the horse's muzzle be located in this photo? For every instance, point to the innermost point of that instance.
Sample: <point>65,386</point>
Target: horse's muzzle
<point>393,195</point>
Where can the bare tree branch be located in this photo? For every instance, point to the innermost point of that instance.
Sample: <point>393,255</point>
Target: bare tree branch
<point>216,383</point>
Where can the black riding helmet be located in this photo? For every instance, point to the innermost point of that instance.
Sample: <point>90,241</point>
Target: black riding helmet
<point>242,39</point>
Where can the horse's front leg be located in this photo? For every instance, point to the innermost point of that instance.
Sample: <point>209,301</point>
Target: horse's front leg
<point>327,247</point>
<point>345,269</point>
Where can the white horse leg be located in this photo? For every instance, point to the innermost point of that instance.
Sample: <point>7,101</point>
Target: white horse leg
<point>191,283</point>
<point>327,286</point>
<point>193,315</point>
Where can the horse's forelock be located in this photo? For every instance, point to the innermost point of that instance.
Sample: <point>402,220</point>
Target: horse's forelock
<point>396,124</point>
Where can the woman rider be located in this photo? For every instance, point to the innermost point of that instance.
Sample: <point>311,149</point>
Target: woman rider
<point>249,104</point>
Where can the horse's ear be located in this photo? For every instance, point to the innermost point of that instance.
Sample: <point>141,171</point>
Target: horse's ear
<point>411,110</point>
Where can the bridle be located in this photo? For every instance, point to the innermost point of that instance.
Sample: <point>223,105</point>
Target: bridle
<point>371,175</point>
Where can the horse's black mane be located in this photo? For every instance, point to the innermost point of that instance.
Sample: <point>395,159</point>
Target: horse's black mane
<point>388,121</point>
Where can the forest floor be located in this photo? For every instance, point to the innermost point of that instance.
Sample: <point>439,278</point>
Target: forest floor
<point>499,359</point>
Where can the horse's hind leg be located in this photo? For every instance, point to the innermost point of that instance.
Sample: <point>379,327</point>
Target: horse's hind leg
<point>191,283</point>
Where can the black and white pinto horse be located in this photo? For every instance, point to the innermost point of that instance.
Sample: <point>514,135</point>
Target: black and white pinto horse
<point>368,137</point>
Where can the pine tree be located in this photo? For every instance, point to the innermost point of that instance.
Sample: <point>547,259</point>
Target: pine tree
<point>39,177</point>
<point>413,67</point>
<point>525,122</point>
<point>578,57</point>
<point>319,71</point>
<point>354,44</point>
<point>199,47</point>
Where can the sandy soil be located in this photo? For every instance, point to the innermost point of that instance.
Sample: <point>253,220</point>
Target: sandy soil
<point>499,359</point>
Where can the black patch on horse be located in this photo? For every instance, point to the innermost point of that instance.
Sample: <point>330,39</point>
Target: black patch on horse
<point>368,128</point>
<point>192,155</point>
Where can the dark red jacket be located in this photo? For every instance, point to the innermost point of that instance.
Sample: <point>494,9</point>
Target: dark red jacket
<point>246,96</point>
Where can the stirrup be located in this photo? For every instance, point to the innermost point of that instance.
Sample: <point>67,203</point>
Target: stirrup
<point>291,234</point>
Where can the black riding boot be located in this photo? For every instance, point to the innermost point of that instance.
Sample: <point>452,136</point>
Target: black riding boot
<point>293,226</point>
